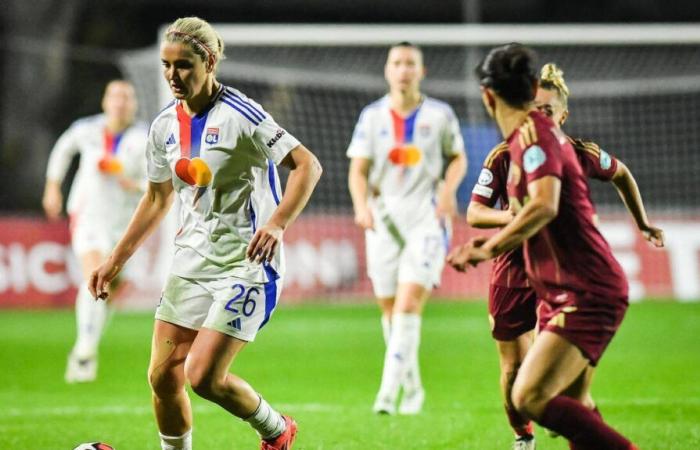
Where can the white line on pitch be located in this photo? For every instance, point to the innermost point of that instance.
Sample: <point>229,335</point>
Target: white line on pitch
<point>75,410</point>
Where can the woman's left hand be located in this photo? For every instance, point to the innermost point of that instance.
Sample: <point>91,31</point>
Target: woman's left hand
<point>265,243</point>
<point>471,253</point>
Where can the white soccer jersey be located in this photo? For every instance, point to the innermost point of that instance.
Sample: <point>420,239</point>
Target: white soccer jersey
<point>407,155</point>
<point>96,197</point>
<point>222,163</point>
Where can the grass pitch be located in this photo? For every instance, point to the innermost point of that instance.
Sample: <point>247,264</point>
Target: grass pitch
<point>322,364</point>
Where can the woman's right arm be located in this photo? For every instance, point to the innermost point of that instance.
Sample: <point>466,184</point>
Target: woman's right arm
<point>482,216</point>
<point>359,191</point>
<point>154,205</point>
<point>61,155</point>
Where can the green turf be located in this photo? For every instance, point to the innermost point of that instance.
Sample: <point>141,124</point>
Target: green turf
<point>322,364</point>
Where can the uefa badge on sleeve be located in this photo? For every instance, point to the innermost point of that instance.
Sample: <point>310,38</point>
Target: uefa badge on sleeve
<point>212,136</point>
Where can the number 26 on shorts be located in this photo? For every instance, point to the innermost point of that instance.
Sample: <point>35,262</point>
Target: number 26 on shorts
<point>243,300</point>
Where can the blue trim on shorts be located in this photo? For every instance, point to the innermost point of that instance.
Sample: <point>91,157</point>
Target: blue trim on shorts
<point>270,292</point>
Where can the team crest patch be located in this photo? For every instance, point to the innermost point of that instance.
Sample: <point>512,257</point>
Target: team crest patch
<point>533,158</point>
<point>605,160</point>
<point>212,136</point>
<point>485,177</point>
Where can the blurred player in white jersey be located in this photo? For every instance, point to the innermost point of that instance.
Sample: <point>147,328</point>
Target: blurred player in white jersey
<point>217,150</point>
<point>107,187</point>
<point>402,145</point>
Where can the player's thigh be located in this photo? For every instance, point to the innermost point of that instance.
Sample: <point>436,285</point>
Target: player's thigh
<point>169,349</point>
<point>90,260</point>
<point>211,355</point>
<point>550,365</point>
<point>580,389</point>
<point>512,353</point>
<point>88,238</point>
<point>423,258</point>
<point>383,255</point>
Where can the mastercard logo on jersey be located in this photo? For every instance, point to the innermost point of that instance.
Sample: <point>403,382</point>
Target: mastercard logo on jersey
<point>194,172</point>
<point>110,165</point>
<point>405,155</point>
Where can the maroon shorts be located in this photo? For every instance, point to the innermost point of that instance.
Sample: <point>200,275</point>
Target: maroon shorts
<point>584,319</point>
<point>512,311</point>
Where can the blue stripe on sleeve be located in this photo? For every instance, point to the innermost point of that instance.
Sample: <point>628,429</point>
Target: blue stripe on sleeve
<point>247,106</point>
<point>240,110</point>
<point>231,92</point>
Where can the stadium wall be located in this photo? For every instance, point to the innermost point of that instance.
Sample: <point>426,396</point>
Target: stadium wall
<point>325,263</point>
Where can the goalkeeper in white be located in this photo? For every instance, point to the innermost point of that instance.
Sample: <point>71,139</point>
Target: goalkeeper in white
<point>402,145</point>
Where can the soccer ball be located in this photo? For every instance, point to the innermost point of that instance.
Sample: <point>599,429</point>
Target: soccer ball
<point>94,446</point>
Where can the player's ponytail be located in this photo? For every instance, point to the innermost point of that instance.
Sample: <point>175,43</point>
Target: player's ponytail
<point>510,71</point>
<point>199,35</point>
<point>552,79</point>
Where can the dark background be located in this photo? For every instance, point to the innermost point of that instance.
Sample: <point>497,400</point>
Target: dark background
<point>57,54</point>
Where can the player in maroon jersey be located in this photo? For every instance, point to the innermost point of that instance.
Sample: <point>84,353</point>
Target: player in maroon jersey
<point>582,288</point>
<point>512,302</point>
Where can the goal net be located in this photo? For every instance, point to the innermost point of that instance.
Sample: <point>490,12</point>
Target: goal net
<point>634,90</point>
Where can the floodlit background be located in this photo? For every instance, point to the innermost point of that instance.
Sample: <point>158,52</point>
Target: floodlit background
<point>640,100</point>
<point>633,67</point>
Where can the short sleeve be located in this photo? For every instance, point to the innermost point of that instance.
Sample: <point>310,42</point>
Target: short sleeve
<point>451,139</point>
<point>62,153</point>
<point>492,180</point>
<point>140,172</point>
<point>596,162</point>
<point>156,160</point>
<point>273,140</point>
<point>361,143</point>
<point>542,159</point>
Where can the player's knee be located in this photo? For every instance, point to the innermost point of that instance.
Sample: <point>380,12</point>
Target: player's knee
<point>164,382</point>
<point>204,382</point>
<point>408,305</point>
<point>529,400</point>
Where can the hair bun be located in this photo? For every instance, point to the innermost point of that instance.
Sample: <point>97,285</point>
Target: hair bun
<point>551,74</point>
<point>519,64</point>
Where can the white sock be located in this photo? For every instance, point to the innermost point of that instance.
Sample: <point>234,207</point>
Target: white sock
<point>412,381</point>
<point>402,348</point>
<point>183,442</point>
<point>91,316</point>
<point>386,328</point>
<point>266,421</point>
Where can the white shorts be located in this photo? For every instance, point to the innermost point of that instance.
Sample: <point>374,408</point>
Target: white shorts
<point>420,261</point>
<point>232,306</point>
<point>88,234</point>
